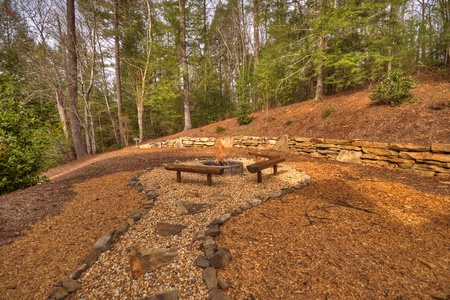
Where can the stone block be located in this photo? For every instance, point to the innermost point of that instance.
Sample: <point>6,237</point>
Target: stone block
<point>370,144</point>
<point>426,156</point>
<point>402,163</point>
<point>209,277</point>
<point>438,147</point>
<point>58,293</point>
<point>349,156</point>
<point>202,262</point>
<point>217,294</point>
<point>373,157</point>
<point>408,147</point>
<point>351,148</point>
<point>301,140</point>
<point>381,163</point>
<point>170,295</point>
<point>71,285</point>
<point>338,142</point>
<point>428,167</point>
<point>326,146</point>
<point>221,259</point>
<point>103,243</point>
<point>379,151</point>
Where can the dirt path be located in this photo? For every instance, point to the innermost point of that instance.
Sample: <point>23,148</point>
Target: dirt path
<point>47,229</point>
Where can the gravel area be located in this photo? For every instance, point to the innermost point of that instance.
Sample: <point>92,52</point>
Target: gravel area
<point>110,276</point>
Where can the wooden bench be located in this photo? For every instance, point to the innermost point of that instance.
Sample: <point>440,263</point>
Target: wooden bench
<point>264,164</point>
<point>208,170</point>
<point>259,154</point>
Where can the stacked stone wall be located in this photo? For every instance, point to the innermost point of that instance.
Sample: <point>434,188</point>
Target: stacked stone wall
<point>432,160</point>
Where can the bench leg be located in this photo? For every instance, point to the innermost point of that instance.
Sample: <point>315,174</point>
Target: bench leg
<point>275,169</point>
<point>209,179</point>
<point>259,177</point>
<point>178,176</point>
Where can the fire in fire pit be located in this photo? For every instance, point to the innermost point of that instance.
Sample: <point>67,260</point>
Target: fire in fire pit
<point>231,167</point>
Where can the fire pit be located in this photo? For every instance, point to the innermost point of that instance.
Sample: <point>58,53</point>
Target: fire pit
<point>231,167</point>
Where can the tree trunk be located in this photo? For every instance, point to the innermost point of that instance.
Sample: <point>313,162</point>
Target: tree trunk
<point>445,12</point>
<point>184,67</point>
<point>62,112</point>
<point>319,84</point>
<point>105,93</point>
<point>72,72</point>
<point>123,137</point>
<point>140,91</point>
<point>256,46</point>
<point>142,74</point>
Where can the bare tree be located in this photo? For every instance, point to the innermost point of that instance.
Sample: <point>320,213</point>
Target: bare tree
<point>72,72</point>
<point>184,67</point>
<point>143,72</point>
<point>123,137</point>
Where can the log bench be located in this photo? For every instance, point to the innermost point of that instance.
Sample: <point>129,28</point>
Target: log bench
<point>264,164</point>
<point>208,170</point>
<point>257,155</point>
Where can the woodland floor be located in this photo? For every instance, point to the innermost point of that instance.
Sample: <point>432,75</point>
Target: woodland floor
<point>357,232</point>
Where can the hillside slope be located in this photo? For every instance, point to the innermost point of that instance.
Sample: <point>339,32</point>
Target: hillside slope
<point>351,115</point>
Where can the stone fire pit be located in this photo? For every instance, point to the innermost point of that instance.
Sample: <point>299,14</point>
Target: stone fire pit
<point>231,167</point>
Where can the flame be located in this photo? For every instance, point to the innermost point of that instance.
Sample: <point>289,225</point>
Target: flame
<point>219,150</point>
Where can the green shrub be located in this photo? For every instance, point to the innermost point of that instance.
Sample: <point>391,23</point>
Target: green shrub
<point>243,114</point>
<point>21,151</point>
<point>220,129</point>
<point>394,89</point>
<point>22,144</point>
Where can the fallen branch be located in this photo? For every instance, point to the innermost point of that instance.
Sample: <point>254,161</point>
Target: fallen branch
<point>345,204</point>
<point>313,219</point>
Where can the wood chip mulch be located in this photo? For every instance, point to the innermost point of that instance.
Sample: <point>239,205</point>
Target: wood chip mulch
<point>356,232</point>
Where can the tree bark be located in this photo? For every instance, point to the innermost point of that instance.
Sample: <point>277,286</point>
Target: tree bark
<point>256,46</point>
<point>184,67</point>
<point>142,73</point>
<point>72,72</point>
<point>123,137</point>
<point>319,84</point>
<point>62,112</point>
<point>105,92</point>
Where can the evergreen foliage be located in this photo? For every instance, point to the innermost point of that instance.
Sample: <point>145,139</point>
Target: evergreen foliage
<point>243,114</point>
<point>394,89</point>
<point>22,143</point>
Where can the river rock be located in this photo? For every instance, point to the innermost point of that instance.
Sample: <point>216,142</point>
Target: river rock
<point>221,258</point>
<point>167,229</point>
<point>170,295</point>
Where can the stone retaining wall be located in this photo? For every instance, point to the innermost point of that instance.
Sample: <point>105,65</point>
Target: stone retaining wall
<point>433,160</point>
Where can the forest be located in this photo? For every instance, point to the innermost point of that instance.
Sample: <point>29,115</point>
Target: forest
<point>81,77</point>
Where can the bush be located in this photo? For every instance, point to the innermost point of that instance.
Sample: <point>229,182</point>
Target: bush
<point>243,114</point>
<point>220,129</point>
<point>21,145</point>
<point>394,89</point>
